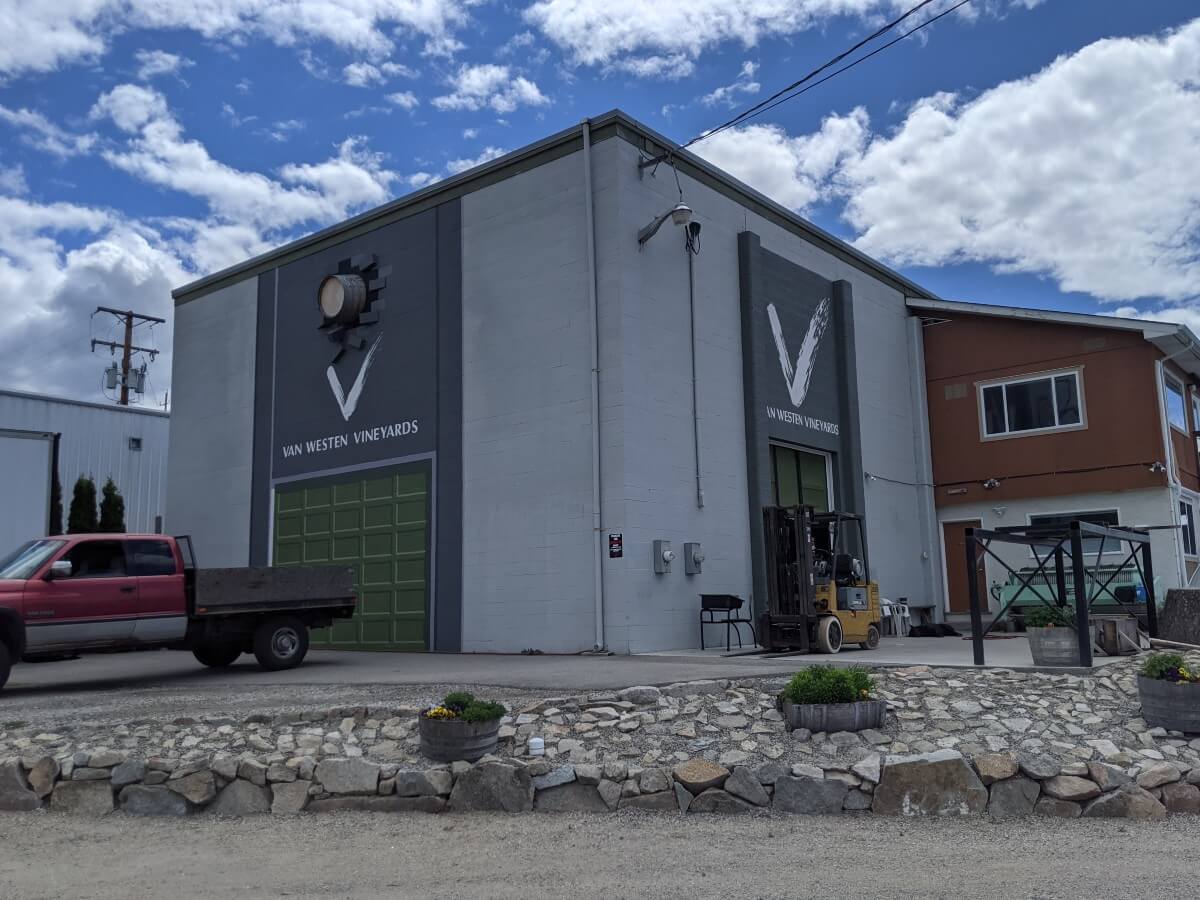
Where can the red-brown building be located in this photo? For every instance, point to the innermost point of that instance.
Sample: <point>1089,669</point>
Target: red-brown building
<point>1036,416</point>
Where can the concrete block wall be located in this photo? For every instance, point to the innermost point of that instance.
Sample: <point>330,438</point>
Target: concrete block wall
<point>661,611</point>
<point>527,509</point>
<point>212,424</point>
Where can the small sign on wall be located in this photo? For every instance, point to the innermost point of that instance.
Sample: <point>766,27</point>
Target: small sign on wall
<point>616,545</point>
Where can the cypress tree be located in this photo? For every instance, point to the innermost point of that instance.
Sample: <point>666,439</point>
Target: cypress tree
<point>112,509</point>
<point>81,519</point>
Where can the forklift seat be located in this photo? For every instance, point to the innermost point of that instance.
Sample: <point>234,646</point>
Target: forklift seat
<point>729,604</point>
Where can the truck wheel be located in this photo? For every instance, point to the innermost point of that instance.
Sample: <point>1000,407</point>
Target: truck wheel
<point>829,635</point>
<point>217,656</point>
<point>872,640</point>
<point>5,663</point>
<point>280,643</point>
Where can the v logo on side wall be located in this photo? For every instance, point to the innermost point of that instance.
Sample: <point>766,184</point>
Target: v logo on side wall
<point>798,378</point>
<point>347,403</point>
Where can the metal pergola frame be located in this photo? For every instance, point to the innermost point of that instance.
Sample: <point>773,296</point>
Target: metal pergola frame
<point>1061,543</point>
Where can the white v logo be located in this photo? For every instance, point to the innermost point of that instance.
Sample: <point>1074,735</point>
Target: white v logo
<point>348,403</point>
<point>798,378</point>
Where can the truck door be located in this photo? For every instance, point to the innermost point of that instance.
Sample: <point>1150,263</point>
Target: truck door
<point>94,605</point>
<point>161,613</point>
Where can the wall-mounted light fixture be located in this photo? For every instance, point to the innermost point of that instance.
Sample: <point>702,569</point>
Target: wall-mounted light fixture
<point>991,484</point>
<point>1157,467</point>
<point>680,214</point>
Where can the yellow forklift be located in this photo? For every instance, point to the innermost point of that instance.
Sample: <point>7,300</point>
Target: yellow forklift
<point>819,592</point>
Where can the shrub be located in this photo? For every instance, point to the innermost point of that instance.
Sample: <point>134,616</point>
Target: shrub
<point>82,516</point>
<point>482,711</point>
<point>458,700</point>
<point>112,509</point>
<point>1043,616</point>
<point>827,684</point>
<point>1168,667</point>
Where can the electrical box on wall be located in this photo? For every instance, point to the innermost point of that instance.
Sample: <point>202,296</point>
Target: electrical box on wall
<point>663,557</point>
<point>693,558</point>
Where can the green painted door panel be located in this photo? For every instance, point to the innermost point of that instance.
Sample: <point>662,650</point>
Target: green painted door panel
<point>379,525</point>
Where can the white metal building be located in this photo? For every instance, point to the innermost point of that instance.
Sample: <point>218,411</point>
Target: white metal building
<point>127,444</point>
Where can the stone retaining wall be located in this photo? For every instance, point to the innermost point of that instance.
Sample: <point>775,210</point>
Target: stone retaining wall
<point>956,743</point>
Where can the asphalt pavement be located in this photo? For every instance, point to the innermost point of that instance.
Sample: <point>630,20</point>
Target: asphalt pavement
<point>365,856</point>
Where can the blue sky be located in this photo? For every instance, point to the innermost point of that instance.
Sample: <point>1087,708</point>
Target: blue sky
<point>1034,152</point>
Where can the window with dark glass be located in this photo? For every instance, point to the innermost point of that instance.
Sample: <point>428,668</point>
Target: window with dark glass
<point>151,558</point>
<point>96,559</point>
<point>1187,524</point>
<point>1032,404</point>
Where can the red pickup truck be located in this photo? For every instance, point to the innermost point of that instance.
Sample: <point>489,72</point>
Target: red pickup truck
<point>114,592</point>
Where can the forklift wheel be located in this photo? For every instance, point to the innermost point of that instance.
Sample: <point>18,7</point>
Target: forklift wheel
<point>829,635</point>
<point>872,640</point>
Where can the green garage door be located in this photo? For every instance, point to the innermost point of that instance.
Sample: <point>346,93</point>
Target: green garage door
<point>377,522</point>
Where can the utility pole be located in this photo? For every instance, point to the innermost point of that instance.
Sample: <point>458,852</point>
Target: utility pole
<point>126,346</point>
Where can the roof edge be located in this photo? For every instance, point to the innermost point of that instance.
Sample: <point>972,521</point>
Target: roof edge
<point>614,121</point>
<point>70,401</point>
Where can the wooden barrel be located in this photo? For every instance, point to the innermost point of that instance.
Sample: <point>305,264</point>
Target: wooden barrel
<point>1053,646</point>
<point>448,740</point>
<point>1170,705</point>
<point>831,717</point>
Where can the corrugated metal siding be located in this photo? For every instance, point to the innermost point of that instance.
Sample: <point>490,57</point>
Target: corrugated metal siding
<point>95,441</point>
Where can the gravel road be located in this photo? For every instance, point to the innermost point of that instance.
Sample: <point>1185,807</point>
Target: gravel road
<point>625,855</point>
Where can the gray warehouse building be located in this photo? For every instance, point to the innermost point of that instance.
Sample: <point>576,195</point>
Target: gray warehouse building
<point>495,396</point>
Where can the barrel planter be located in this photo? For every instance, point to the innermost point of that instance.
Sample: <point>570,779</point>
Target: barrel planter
<point>835,716</point>
<point>449,740</point>
<point>1053,646</point>
<point>1172,705</point>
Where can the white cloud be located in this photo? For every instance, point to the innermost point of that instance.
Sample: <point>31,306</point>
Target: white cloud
<point>12,180</point>
<point>461,165</point>
<point>404,99</point>
<point>794,171</point>
<point>727,95</point>
<point>599,31</point>
<point>1087,172</point>
<point>40,36</point>
<point>470,133</point>
<point>231,115</point>
<point>365,74</point>
<point>488,85</point>
<point>672,67</point>
<point>38,131</point>
<point>281,132</point>
<point>69,258</point>
<point>152,63</point>
<point>157,152</point>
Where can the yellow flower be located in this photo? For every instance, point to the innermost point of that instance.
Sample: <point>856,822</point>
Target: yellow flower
<point>440,712</point>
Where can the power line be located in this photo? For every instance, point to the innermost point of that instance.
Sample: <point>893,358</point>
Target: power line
<point>791,91</point>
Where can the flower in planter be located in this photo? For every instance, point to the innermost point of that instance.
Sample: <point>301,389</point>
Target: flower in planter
<point>1169,667</point>
<point>465,707</point>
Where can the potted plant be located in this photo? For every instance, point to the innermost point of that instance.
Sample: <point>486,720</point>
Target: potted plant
<point>826,698</point>
<point>1053,640</point>
<point>1170,693</point>
<point>460,727</point>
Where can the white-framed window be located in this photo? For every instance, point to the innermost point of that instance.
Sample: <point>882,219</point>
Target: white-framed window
<point>1187,526</point>
<point>1091,545</point>
<point>1195,395</point>
<point>1173,398</point>
<point>1048,401</point>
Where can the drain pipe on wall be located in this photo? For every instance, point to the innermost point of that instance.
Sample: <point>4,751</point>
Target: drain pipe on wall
<point>695,400</point>
<point>594,336</point>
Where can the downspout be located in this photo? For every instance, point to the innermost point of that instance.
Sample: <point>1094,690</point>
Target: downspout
<point>594,342</point>
<point>695,399</point>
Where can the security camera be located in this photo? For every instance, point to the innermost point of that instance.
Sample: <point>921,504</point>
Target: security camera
<point>681,214</point>
<point>668,556</point>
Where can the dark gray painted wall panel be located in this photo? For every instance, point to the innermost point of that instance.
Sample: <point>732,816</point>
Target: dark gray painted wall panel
<point>389,389</point>
<point>800,380</point>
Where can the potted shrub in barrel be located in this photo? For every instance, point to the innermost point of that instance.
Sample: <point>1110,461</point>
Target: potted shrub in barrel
<point>1052,639</point>
<point>460,727</point>
<point>1170,693</point>
<point>826,698</point>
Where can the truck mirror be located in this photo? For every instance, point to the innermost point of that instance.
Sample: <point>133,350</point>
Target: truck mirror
<point>59,569</point>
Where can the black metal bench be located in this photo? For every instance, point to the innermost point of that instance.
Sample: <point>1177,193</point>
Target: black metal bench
<point>728,604</point>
